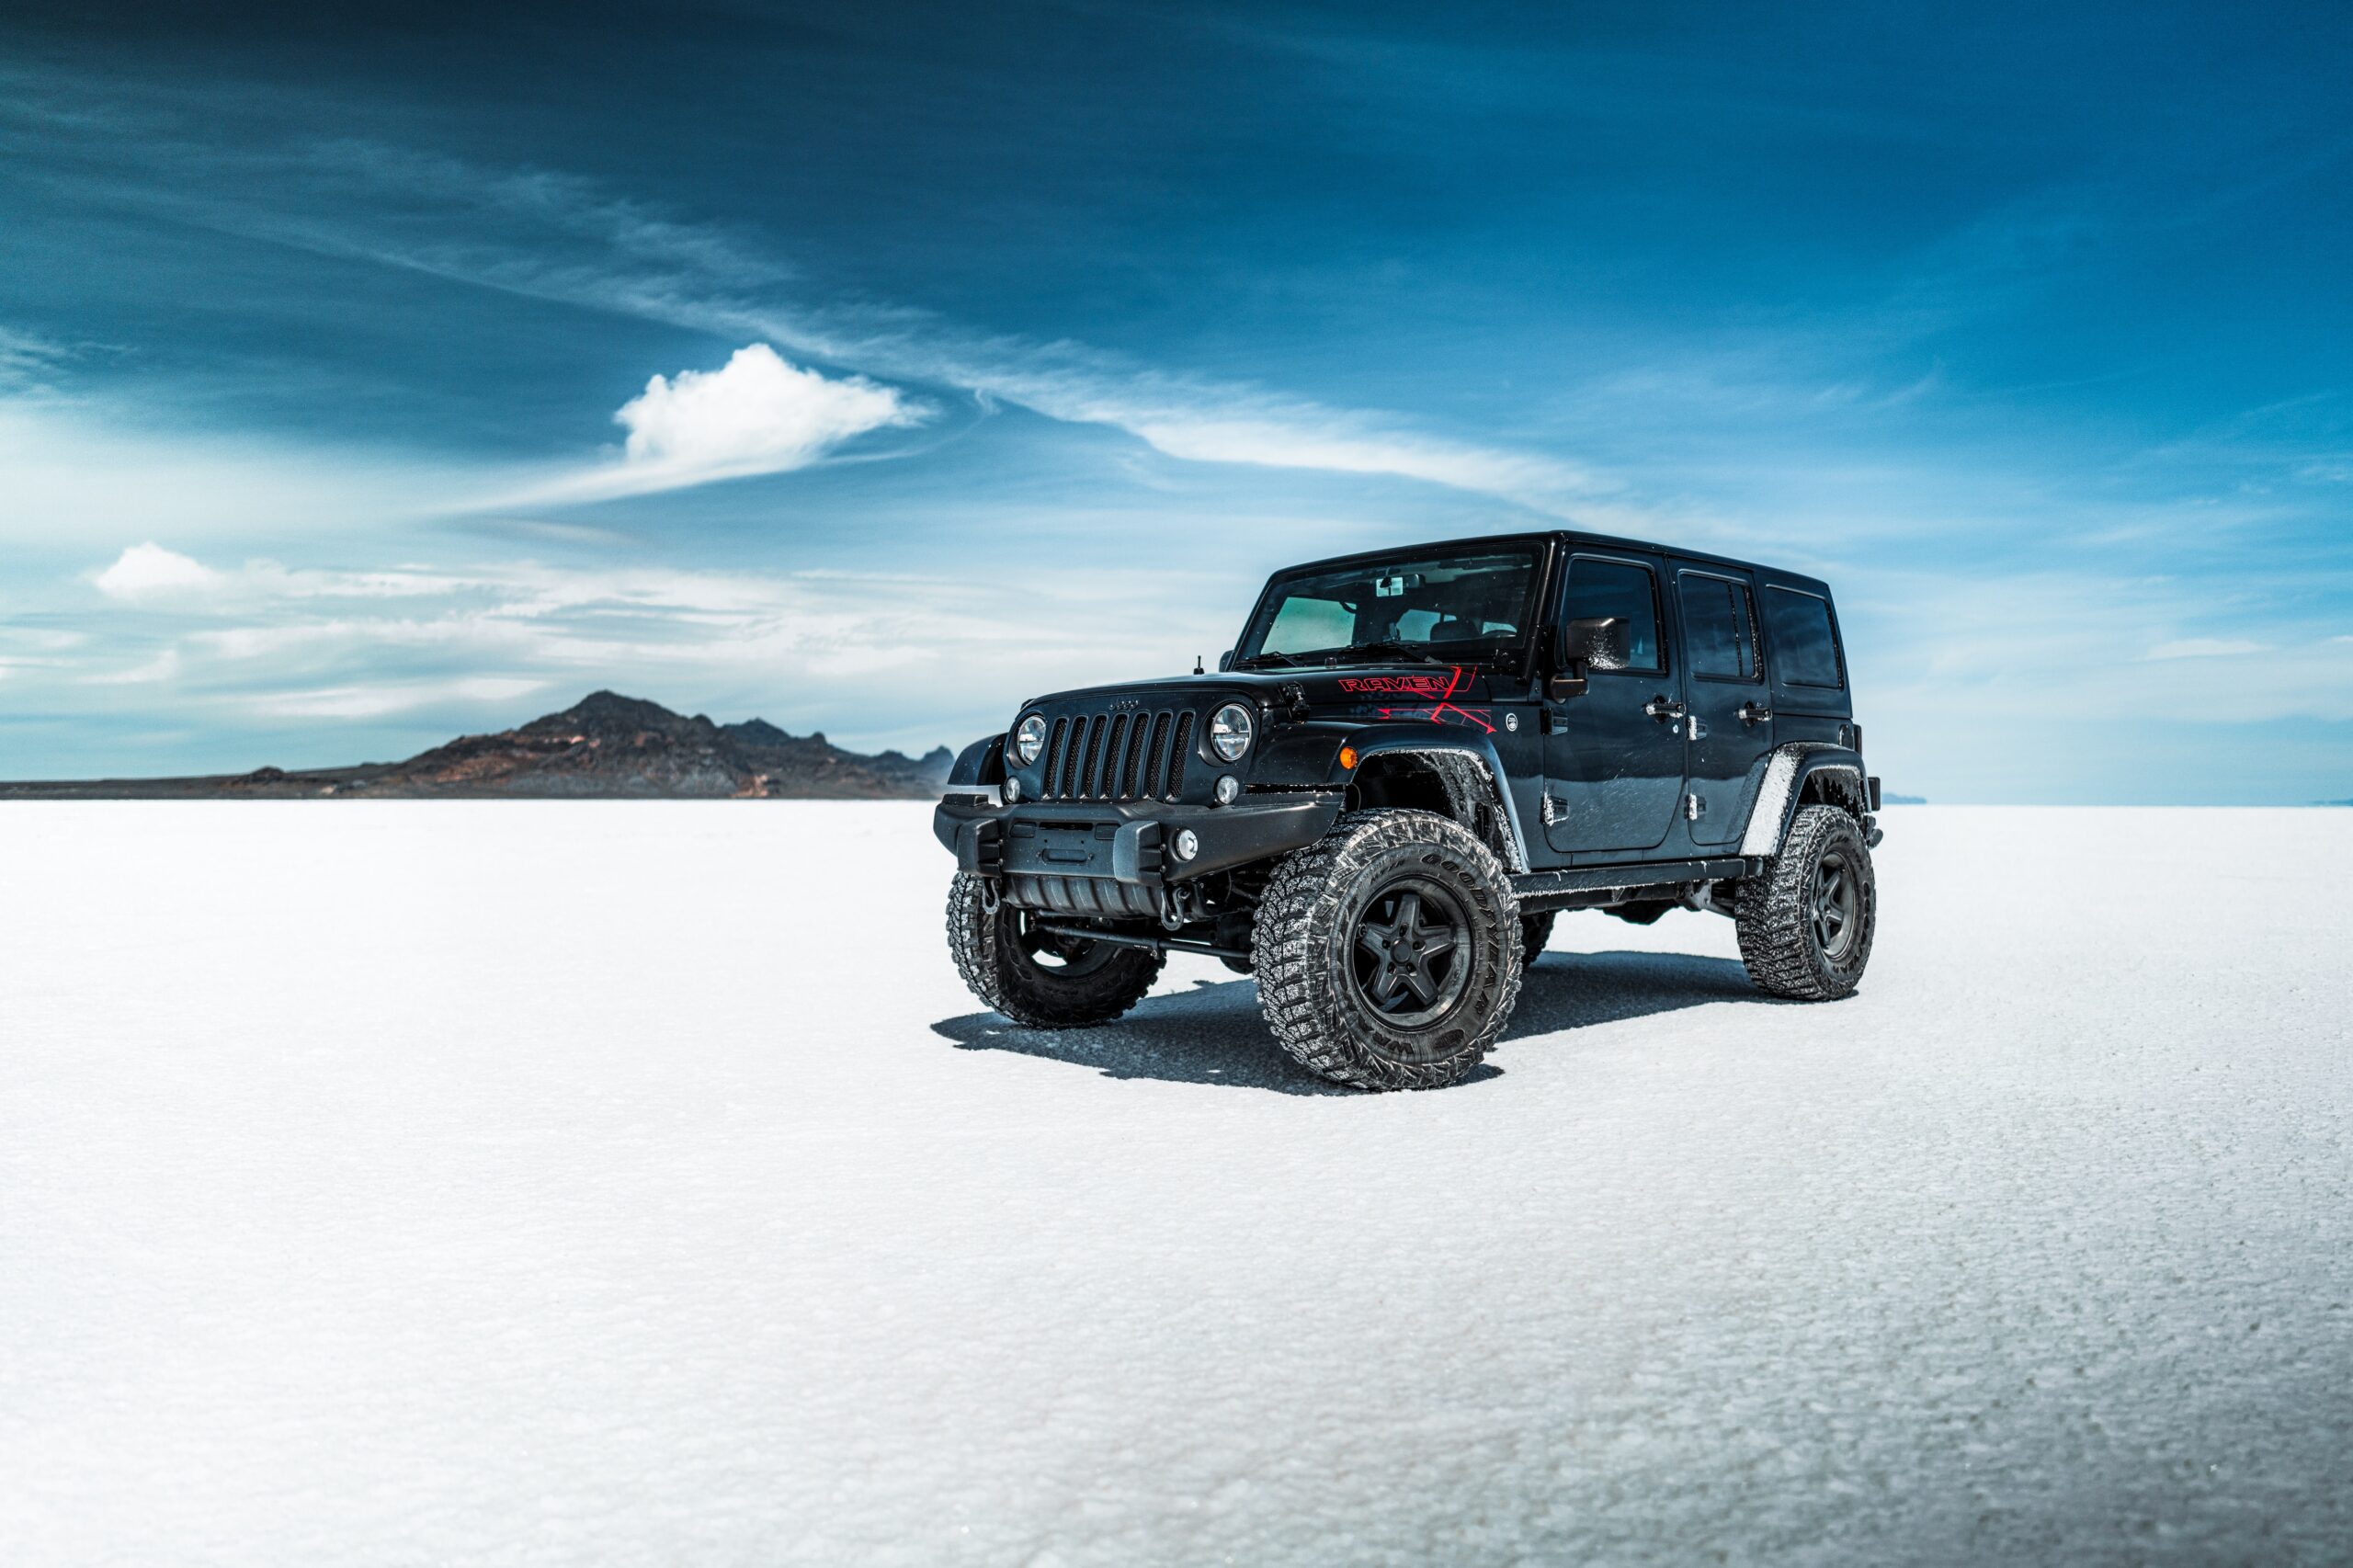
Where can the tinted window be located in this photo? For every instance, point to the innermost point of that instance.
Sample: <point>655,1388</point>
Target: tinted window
<point>1615,587</point>
<point>1718,628</point>
<point>1470,604</point>
<point>1304,622</point>
<point>1805,652</point>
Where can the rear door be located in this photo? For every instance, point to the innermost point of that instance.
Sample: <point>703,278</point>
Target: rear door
<point>1613,756</point>
<point>1728,723</point>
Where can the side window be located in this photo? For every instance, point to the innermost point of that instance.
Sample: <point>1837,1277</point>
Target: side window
<point>1620,588</point>
<point>1805,650</point>
<point>1718,627</point>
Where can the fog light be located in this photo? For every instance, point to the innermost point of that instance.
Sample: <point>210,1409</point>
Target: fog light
<point>1012,790</point>
<point>1188,844</point>
<point>1229,789</point>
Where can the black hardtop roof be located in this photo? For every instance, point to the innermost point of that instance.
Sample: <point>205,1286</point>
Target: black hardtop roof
<point>1573,537</point>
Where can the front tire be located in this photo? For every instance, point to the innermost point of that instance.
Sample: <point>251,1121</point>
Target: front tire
<point>1388,952</point>
<point>1806,926</point>
<point>1037,978</point>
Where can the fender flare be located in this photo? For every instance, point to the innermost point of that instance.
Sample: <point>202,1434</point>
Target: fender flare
<point>1787,773</point>
<point>1464,763</point>
<point>983,762</point>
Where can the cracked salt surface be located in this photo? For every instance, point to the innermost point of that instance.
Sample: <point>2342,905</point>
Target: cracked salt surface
<point>396,1183</point>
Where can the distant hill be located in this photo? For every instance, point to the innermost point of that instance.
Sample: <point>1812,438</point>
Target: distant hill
<point>1892,800</point>
<point>605,745</point>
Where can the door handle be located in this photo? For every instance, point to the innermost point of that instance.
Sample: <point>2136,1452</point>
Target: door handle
<point>1754,712</point>
<point>1664,708</point>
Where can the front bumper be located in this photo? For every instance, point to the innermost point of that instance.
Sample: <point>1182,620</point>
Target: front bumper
<point>1126,841</point>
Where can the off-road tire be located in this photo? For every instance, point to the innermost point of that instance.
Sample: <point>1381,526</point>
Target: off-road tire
<point>1776,917</point>
<point>1535,935</point>
<point>987,944</point>
<point>1305,949</point>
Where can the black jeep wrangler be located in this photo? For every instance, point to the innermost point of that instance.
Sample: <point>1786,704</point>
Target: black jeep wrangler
<point>1410,763</point>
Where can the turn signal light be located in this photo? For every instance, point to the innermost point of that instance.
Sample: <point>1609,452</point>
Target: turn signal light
<point>1348,759</point>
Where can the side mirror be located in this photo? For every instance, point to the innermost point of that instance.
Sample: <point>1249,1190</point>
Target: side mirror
<point>1225,660</point>
<point>1588,643</point>
<point>1597,642</point>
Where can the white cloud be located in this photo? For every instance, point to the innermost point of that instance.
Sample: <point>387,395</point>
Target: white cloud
<point>2205,648</point>
<point>164,667</point>
<point>1334,448</point>
<point>148,572</point>
<point>372,701</point>
<point>1198,419</point>
<point>755,415</point>
<point>546,234</point>
<point>566,238</point>
<point>872,658</point>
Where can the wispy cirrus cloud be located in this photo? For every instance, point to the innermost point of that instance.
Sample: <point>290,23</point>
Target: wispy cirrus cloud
<point>28,358</point>
<point>2206,648</point>
<point>550,236</point>
<point>876,658</point>
<point>1196,418</point>
<point>378,699</point>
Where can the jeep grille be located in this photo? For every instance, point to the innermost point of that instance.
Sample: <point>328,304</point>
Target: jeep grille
<point>1118,757</point>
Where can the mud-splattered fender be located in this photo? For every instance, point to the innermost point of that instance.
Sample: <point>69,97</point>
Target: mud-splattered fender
<point>1836,770</point>
<point>1465,760</point>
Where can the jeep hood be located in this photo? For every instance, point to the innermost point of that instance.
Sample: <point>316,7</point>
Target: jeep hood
<point>1350,687</point>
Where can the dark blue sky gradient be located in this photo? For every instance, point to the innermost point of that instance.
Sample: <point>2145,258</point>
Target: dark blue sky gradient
<point>2027,325</point>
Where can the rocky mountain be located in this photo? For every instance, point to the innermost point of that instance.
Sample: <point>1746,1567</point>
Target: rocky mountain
<point>605,745</point>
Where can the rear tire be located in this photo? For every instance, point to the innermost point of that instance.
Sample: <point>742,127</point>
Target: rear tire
<point>1035,978</point>
<point>1535,935</point>
<point>1388,952</point>
<point>1806,925</point>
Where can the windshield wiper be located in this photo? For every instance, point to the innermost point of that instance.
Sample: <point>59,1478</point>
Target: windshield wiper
<point>1263,658</point>
<point>1391,645</point>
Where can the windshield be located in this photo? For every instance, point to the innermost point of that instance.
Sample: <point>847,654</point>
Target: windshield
<point>1442,606</point>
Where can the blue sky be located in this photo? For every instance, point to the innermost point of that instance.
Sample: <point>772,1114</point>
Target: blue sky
<point>369,378</point>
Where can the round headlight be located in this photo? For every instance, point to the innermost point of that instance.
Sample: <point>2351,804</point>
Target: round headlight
<point>1029,738</point>
<point>1229,729</point>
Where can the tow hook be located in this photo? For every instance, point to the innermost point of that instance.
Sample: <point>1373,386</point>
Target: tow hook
<point>1181,906</point>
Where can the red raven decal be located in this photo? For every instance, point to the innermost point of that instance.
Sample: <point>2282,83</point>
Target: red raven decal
<point>1420,686</point>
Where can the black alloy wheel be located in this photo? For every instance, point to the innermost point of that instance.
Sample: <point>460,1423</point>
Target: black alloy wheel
<point>1412,946</point>
<point>1388,951</point>
<point>1831,905</point>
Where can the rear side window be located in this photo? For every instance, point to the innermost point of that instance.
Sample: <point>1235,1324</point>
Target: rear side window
<point>1620,588</point>
<point>1718,627</point>
<point>1805,650</point>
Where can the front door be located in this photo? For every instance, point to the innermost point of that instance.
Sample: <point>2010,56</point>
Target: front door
<point>1613,755</point>
<point>1728,723</point>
